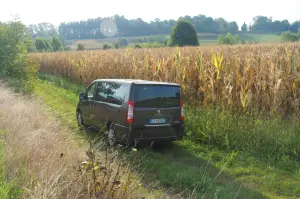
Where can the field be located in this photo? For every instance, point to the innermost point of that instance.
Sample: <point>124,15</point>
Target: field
<point>244,78</point>
<point>242,109</point>
<point>205,39</point>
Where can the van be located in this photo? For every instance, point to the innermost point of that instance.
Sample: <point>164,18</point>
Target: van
<point>133,110</point>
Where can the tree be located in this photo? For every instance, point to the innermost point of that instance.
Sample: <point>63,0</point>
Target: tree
<point>295,26</point>
<point>222,25</point>
<point>41,44</point>
<point>42,30</point>
<point>279,26</point>
<point>14,61</point>
<point>261,24</point>
<point>228,39</point>
<point>183,34</point>
<point>89,29</point>
<point>80,47</point>
<point>137,46</point>
<point>232,27</point>
<point>56,44</point>
<point>244,27</point>
<point>289,36</point>
<point>12,48</point>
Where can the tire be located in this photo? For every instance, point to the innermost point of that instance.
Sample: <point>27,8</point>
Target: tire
<point>80,121</point>
<point>111,136</point>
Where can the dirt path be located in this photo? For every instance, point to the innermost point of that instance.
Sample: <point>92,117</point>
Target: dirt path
<point>43,157</point>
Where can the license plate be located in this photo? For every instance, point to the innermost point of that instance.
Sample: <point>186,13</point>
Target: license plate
<point>157,121</point>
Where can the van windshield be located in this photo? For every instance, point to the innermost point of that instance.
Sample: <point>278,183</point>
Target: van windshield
<point>156,96</point>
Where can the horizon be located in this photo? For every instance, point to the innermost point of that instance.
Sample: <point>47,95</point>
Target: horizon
<point>57,12</point>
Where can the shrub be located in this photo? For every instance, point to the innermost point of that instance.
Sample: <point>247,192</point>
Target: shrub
<point>106,46</point>
<point>289,36</point>
<point>228,39</point>
<point>137,46</point>
<point>80,47</point>
<point>116,45</point>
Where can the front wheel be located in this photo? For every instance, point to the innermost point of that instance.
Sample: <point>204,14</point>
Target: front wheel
<point>80,122</point>
<point>111,136</point>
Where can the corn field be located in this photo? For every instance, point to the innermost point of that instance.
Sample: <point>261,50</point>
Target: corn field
<point>264,78</point>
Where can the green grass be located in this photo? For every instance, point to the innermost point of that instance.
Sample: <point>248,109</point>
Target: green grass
<point>5,187</point>
<point>260,38</point>
<point>266,38</point>
<point>214,139</point>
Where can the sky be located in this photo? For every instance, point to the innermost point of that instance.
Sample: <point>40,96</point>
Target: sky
<point>57,11</point>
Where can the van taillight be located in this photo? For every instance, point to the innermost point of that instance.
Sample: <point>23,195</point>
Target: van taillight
<point>130,112</point>
<point>181,110</point>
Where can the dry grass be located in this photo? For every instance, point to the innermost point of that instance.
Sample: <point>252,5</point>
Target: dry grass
<point>264,78</point>
<point>44,160</point>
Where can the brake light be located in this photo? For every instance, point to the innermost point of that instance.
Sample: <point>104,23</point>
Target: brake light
<point>130,112</point>
<point>181,110</point>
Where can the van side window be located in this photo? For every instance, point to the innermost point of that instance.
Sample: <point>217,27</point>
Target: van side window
<point>90,91</point>
<point>117,93</point>
<point>100,92</point>
<point>110,92</point>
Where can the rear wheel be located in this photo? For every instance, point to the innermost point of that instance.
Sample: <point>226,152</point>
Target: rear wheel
<point>80,121</point>
<point>130,141</point>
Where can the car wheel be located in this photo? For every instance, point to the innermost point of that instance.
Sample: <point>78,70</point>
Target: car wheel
<point>130,141</point>
<point>80,120</point>
<point>111,136</point>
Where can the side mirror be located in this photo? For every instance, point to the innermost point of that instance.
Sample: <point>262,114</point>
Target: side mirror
<point>82,96</point>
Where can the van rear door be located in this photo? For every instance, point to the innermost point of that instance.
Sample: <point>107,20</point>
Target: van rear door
<point>156,105</point>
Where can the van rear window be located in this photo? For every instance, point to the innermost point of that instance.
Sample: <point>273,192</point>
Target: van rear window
<point>156,96</point>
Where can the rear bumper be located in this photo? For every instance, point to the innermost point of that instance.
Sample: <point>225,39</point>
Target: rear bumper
<point>158,132</point>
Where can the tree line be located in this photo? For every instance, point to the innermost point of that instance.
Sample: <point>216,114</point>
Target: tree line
<point>90,28</point>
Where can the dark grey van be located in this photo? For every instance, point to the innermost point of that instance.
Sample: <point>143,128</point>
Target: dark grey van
<point>133,110</point>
